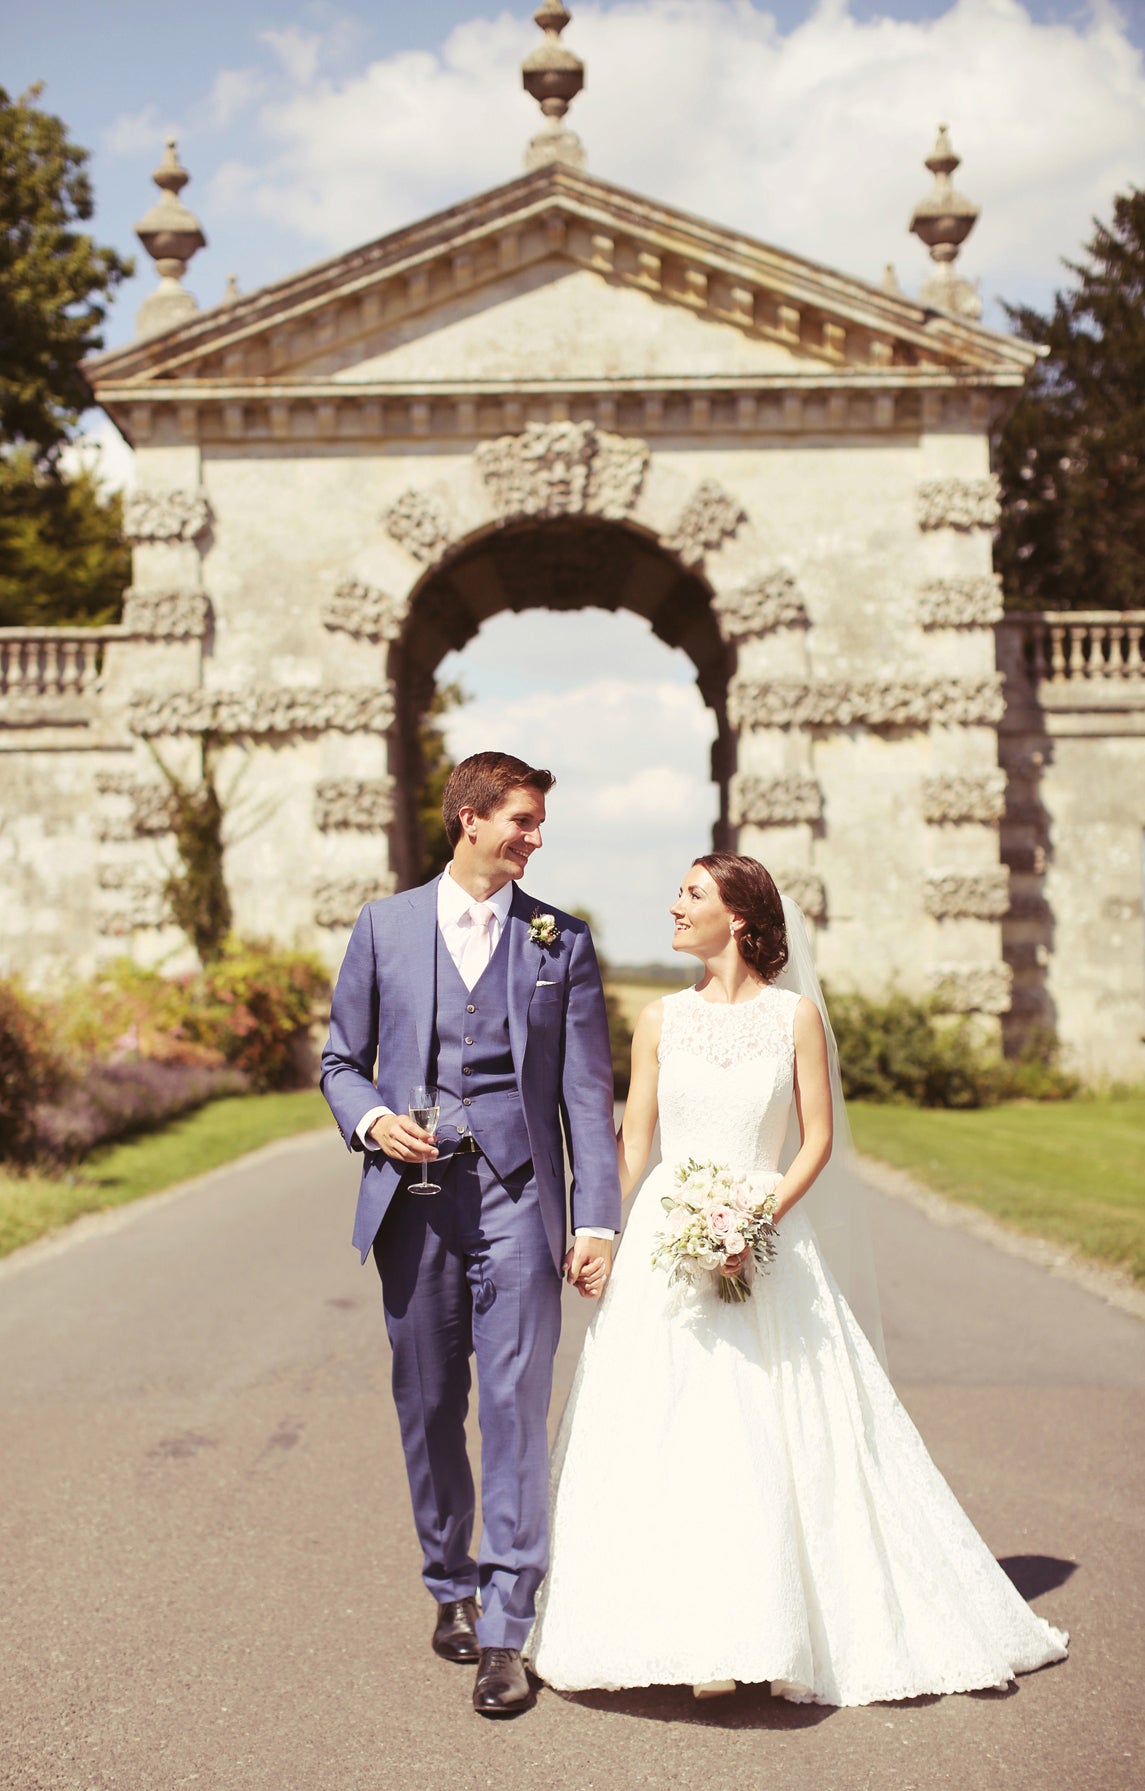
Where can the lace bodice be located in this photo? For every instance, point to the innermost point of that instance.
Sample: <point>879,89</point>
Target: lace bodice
<point>726,1078</point>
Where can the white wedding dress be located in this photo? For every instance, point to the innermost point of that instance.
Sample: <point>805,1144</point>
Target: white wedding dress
<point>737,1492</point>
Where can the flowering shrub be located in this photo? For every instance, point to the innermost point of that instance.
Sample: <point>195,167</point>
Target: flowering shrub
<point>900,1050</point>
<point>29,1070</point>
<point>113,1100</point>
<point>255,1006</point>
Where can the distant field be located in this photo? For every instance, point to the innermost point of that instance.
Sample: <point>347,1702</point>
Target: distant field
<point>635,992</point>
<point>1073,1172</point>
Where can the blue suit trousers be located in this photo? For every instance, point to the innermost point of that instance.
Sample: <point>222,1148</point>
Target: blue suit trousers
<point>469,1273</point>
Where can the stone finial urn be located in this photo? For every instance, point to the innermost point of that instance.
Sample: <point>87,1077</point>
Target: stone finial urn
<point>553,75</point>
<point>943,221</point>
<point>171,234</point>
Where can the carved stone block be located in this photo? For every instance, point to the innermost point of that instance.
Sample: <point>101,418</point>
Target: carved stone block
<point>774,801</point>
<point>768,602</point>
<point>366,710</point>
<point>953,798</point>
<point>338,901</point>
<point>875,703</point>
<point>166,615</point>
<point>364,611</point>
<point>972,988</point>
<point>974,895</point>
<point>953,503</point>
<point>563,469</point>
<point>708,519</point>
<point>165,515</point>
<point>142,903</point>
<point>961,602</point>
<point>805,888</point>
<point>363,804</point>
<point>418,522</point>
<point>150,812</point>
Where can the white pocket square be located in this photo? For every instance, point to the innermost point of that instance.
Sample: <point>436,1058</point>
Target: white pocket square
<point>543,984</point>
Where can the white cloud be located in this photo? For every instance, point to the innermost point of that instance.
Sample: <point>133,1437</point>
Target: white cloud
<point>101,449</point>
<point>654,793</point>
<point>139,133</point>
<point>233,92</point>
<point>812,139</point>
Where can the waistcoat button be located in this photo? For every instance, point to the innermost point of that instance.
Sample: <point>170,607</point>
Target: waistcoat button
<point>465,1101</point>
<point>470,1009</point>
<point>467,1071</point>
<point>468,1041</point>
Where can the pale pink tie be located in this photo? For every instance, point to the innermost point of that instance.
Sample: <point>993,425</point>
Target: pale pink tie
<point>477,950</point>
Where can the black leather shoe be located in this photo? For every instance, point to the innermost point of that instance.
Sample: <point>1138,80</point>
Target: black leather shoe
<point>455,1637</point>
<point>503,1687</point>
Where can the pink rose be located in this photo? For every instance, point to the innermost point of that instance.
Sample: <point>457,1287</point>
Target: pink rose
<point>734,1243</point>
<point>719,1219</point>
<point>678,1221</point>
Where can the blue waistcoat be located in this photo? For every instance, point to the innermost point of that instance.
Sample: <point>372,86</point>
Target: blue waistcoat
<point>472,1063</point>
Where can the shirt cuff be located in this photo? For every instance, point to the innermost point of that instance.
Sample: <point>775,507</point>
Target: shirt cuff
<point>592,1231</point>
<point>362,1129</point>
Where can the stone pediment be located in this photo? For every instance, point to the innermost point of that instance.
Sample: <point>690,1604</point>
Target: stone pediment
<point>557,285</point>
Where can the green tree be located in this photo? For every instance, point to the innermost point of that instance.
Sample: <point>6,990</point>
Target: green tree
<point>63,559</point>
<point>53,278</point>
<point>1071,458</point>
<point>196,892</point>
<point>62,554</point>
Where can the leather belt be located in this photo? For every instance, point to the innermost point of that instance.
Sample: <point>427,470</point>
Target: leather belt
<point>466,1146</point>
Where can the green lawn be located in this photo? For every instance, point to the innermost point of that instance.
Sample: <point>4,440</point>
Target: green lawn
<point>1073,1172</point>
<point>215,1134</point>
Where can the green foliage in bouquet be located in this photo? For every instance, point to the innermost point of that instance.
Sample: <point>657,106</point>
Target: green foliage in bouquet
<point>900,1050</point>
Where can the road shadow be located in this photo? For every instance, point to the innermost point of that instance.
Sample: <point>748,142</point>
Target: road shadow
<point>1034,1574</point>
<point>748,1707</point>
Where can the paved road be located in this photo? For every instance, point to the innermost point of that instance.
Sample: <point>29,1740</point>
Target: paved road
<point>208,1576</point>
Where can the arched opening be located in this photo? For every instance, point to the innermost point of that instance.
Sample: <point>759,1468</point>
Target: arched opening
<point>559,564</point>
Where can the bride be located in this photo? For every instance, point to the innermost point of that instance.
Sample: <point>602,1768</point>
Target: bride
<point>738,1494</point>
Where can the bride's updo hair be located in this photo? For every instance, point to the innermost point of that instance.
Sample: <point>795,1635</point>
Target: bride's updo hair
<point>747,891</point>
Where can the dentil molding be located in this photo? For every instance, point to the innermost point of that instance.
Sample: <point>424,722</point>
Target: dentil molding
<point>361,804</point>
<point>165,516</point>
<point>774,801</point>
<point>875,702</point>
<point>563,469</point>
<point>364,710</point>
<point>954,798</point>
<point>768,602</point>
<point>953,503</point>
<point>961,602</point>
<point>166,615</point>
<point>150,811</point>
<point>338,901</point>
<point>969,895</point>
<point>364,612</point>
<point>972,988</point>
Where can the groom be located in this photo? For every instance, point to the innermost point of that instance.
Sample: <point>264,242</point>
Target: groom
<point>466,983</point>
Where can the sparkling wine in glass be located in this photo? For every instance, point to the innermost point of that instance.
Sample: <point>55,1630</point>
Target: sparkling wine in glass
<point>424,1111</point>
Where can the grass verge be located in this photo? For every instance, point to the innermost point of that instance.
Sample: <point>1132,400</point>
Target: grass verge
<point>1073,1172</point>
<point>216,1134</point>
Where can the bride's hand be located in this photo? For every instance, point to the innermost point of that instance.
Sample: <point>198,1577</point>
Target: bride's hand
<point>734,1264</point>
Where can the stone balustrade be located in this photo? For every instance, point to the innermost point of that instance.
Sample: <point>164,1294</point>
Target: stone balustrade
<point>39,665</point>
<point>1063,645</point>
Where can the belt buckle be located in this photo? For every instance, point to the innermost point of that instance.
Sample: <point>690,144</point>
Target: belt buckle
<point>467,1145</point>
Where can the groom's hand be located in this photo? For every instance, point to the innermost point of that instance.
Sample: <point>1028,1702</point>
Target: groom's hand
<point>397,1136</point>
<point>588,1266</point>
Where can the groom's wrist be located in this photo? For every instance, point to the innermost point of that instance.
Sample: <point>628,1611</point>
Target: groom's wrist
<point>593,1231</point>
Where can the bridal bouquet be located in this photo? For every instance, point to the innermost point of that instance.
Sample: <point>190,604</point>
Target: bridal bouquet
<point>713,1216</point>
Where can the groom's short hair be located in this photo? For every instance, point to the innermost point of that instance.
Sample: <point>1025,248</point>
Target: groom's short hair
<point>482,783</point>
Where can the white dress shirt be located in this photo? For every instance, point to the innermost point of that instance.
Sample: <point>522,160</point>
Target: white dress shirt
<point>454,923</point>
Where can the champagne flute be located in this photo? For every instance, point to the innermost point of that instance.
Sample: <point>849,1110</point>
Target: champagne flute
<point>424,1111</point>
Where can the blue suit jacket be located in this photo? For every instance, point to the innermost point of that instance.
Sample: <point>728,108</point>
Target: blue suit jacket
<point>558,1033</point>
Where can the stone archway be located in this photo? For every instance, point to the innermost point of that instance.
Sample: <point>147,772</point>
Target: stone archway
<point>556,563</point>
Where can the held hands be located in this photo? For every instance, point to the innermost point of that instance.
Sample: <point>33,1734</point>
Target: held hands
<point>397,1136</point>
<point>588,1266</point>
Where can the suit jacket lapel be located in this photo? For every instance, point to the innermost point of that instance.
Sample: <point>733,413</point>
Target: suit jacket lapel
<point>421,962</point>
<point>523,973</point>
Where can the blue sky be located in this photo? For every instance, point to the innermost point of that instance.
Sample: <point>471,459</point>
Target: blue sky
<point>309,128</point>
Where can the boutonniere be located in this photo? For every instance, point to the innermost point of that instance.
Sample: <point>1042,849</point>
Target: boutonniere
<point>543,930</point>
